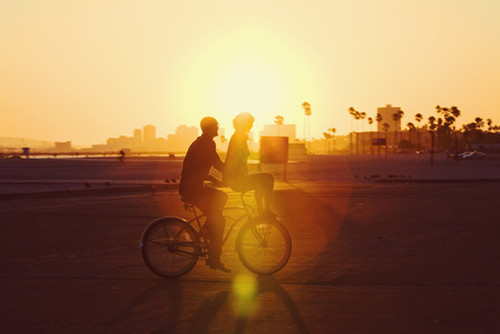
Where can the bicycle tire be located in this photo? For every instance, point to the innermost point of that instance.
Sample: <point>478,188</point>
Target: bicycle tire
<point>264,245</point>
<point>162,252</point>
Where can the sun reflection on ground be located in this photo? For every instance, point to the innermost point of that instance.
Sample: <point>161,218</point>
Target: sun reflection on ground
<point>245,288</point>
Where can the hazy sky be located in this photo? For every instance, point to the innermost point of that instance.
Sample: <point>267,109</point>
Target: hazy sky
<point>88,70</point>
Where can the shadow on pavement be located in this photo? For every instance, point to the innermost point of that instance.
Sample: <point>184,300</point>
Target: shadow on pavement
<point>206,313</point>
<point>201,321</point>
<point>267,283</point>
<point>173,290</point>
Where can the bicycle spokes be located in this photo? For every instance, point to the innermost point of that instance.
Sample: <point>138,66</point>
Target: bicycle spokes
<point>264,246</point>
<point>170,247</point>
<point>261,233</point>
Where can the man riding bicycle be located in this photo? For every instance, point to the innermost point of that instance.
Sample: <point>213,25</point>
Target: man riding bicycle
<point>200,158</point>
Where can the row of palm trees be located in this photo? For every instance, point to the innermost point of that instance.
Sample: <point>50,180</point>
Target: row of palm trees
<point>360,116</point>
<point>441,126</point>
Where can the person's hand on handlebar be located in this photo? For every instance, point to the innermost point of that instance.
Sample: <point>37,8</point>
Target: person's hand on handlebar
<point>214,182</point>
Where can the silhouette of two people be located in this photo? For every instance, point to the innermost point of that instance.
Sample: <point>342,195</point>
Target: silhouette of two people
<point>200,158</point>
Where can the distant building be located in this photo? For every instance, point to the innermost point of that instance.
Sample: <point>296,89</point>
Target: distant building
<point>100,148</point>
<point>149,133</point>
<point>138,136</point>
<point>284,130</point>
<point>64,146</point>
<point>386,113</point>
<point>121,142</point>
<point>183,137</point>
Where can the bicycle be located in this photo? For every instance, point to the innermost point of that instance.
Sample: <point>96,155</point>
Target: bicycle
<point>171,246</point>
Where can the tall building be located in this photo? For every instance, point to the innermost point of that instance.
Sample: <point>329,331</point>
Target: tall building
<point>387,113</point>
<point>149,132</point>
<point>138,136</point>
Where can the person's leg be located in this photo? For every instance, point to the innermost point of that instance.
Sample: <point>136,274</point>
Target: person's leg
<point>211,203</point>
<point>263,183</point>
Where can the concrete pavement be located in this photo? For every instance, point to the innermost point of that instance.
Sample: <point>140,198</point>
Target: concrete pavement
<point>367,258</point>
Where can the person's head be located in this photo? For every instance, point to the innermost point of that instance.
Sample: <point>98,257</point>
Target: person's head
<point>243,122</point>
<point>209,126</point>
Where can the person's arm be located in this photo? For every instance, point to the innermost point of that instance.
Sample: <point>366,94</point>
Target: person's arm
<point>218,164</point>
<point>216,161</point>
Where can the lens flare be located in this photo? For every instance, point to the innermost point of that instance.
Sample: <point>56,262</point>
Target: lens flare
<point>245,290</point>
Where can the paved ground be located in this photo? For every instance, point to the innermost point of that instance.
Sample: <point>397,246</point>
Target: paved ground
<point>367,258</point>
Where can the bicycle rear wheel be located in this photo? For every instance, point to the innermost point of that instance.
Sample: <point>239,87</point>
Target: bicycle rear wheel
<point>263,245</point>
<point>170,247</point>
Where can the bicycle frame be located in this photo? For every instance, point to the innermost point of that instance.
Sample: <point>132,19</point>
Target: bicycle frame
<point>185,238</point>
<point>249,212</point>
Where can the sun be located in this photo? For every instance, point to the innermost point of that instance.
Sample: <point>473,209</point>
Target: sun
<point>249,86</point>
<point>248,71</point>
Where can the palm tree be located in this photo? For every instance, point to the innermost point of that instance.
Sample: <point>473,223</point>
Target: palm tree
<point>411,128</point>
<point>439,131</point>
<point>479,124</point>
<point>400,115</point>
<point>279,121</point>
<point>332,131</point>
<point>370,122</point>
<point>445,127</point>
<point>327,136</point>
<point>307,112</point>
<point>396,117</point>
<point>418,118</point>
<point>489,122</point>
<point>450,116</point>
<point>386,126</point>
<point>378,119</point>
<point>362,116</point>
<point>354,114</point>
<point>432,126</point>
<point>357,117</point>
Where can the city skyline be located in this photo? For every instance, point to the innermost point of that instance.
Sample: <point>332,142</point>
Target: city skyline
<point>93,70</point>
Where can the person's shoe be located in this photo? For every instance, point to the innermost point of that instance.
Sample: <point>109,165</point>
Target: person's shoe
<point>217,265</point>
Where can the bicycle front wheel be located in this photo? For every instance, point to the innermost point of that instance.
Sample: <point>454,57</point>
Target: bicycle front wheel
<point>263,245</point>
<point>170,247</point>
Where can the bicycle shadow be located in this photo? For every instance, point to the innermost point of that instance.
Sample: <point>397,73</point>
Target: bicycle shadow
<point>206,313</point>
<point>265,284</point>
<point>173,290</point>
<point>204,316</point>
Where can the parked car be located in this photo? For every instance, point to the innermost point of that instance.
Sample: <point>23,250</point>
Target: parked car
<point>451,155</point>
<point>475,155</point>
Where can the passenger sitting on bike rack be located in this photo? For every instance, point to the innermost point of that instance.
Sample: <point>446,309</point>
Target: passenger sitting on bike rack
<point>236,171</point>
<point>200,157</point>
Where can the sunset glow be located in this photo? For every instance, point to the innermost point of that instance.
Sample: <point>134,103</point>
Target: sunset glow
<point>88,71</point>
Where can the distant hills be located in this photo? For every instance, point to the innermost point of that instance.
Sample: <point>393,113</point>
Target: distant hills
<point>13,142</point>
